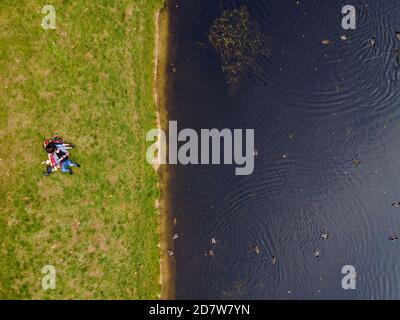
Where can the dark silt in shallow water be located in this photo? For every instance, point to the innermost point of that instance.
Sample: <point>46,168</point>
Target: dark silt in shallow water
<point>327,128</point>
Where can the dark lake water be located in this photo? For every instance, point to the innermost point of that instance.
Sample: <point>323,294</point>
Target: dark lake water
<point>314,109</point>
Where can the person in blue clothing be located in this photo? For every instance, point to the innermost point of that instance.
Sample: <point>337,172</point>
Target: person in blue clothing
<point>58,142</point>
<point>65,162</point>
<point>59,158</point>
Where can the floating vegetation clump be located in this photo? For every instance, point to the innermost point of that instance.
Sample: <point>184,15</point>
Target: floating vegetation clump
<point>238,40</point>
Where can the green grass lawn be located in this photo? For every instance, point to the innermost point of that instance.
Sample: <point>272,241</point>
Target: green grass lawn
<point>91,81</point>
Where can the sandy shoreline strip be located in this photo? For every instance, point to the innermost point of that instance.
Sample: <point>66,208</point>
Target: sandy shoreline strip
<point>161,94</point>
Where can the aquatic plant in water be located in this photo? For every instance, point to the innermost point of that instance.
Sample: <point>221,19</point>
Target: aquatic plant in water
<point>238,40</point>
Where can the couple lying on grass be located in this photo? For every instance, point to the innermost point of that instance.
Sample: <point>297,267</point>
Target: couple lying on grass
<point>59,158</point>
